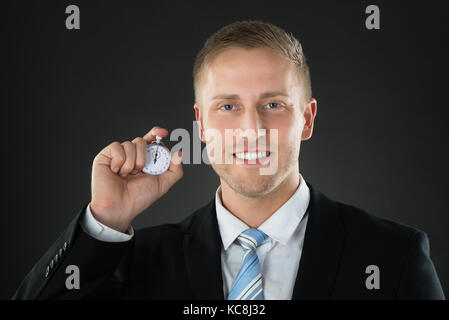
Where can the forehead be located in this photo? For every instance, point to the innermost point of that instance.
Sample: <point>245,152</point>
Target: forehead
<point>240,70</point>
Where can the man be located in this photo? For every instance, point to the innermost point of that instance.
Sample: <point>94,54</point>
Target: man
<point>264,236</point>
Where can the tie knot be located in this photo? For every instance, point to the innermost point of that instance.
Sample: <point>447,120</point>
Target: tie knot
<point>250,239</point>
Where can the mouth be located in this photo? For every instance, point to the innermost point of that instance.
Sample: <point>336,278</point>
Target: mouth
<point>252,158</point>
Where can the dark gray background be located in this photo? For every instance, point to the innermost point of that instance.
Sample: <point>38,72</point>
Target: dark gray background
<point>379,139</point>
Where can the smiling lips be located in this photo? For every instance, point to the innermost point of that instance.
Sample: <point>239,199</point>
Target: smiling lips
<point>252,158</point>
<point>252,155</point>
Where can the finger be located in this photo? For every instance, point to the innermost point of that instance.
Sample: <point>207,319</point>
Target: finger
<point>141,154</point>
<point>130,151</point>
<point>117,155</point>
<point>155,131</point>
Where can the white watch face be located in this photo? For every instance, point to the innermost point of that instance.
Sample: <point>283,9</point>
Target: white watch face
<point>158,159</point>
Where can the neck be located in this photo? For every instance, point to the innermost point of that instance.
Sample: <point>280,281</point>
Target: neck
<point>254,211</point>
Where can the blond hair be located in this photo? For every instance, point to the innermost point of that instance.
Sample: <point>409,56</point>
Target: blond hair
<point>253,34</point>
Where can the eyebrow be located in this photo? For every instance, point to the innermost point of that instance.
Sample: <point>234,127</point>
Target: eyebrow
<point>237,97</point>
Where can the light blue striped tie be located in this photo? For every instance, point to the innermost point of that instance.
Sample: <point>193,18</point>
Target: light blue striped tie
<point>248,283</point>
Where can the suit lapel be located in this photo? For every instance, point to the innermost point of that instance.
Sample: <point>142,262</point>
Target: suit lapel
<point>323,244</point>
<point>202,249</point>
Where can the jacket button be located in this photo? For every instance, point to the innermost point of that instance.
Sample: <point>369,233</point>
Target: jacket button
<point>60,253</point>
<point>64,247</point>
<point>47,271</point>
<point>56,258</point>
<point>52,263</point>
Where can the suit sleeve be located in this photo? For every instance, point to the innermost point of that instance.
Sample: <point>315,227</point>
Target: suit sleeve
<point>419,279</point>
<point>102,267</point>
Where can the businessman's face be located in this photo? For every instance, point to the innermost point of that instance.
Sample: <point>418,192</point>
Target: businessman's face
<point>252,89</point>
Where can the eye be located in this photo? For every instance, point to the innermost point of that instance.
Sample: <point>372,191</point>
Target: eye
<point>272,105</point>
<point>227,107</point>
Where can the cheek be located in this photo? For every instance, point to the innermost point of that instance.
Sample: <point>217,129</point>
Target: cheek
<point>288,125</point>
<point>217,126</point>
<point>214,134</point>
<point>213,121</point>
<point>289,133</point>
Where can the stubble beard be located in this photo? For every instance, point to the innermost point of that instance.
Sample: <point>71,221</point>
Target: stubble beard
<point>286,166</point>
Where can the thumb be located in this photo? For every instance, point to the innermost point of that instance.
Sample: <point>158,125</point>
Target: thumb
<point>174,172</point>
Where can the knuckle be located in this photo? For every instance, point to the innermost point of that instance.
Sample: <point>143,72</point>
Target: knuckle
<point>119,157</point>
<point>98,157</point>
<point>119,160</point>
<point>115,143</point>
<point>140,165</point>
<point>127,143</point>
<point>138,140</point>
<point>127,168</point>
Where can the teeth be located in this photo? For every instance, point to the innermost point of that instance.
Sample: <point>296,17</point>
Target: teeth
<point>251,155</point>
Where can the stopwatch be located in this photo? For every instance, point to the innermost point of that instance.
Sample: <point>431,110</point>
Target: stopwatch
<point>158,158</point>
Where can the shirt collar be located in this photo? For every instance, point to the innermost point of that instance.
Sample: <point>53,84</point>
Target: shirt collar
<point>279,226</point>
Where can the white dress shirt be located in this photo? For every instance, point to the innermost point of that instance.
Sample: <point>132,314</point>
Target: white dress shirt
<point>102,232</point>
<point>279,255</point>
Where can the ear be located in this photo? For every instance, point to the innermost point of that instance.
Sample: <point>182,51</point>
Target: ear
<point>309,117</point>
<point>199,121</point>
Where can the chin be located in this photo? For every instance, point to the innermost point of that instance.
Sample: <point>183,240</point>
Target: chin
<point>253,192</point>
<point>251,186</point>
<point>248,181</point>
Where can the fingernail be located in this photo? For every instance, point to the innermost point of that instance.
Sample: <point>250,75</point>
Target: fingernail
<point>124,175</point>
<point>115,170</point>
<point>178,158</point>
<point>134,171</point>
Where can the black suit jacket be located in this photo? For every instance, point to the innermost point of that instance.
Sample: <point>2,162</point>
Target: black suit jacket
<point>182,261</point>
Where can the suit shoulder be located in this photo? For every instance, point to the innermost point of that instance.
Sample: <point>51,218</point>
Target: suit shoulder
<point>361,224</point>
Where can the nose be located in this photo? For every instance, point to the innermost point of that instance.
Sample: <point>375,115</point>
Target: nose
<point>250,123</point>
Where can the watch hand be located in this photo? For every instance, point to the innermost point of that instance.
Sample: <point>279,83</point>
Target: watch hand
<point>155,157</point>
